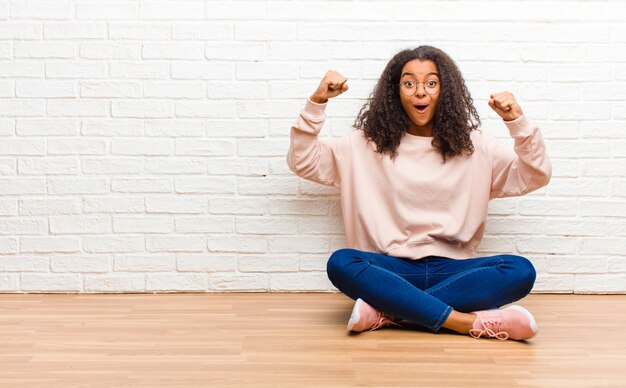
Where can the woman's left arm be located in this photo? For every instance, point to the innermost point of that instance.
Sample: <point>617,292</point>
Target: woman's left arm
<point>526,167</point>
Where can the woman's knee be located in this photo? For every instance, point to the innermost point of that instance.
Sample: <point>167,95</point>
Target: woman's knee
<point>524,272</point>
<point>338,260</point>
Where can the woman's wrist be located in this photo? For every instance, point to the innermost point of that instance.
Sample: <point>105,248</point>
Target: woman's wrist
<point>318,100</point>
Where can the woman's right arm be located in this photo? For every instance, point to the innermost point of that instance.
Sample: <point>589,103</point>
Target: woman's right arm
<point>308,156</point>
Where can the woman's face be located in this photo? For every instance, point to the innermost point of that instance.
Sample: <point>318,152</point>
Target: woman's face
<point>422,78</point>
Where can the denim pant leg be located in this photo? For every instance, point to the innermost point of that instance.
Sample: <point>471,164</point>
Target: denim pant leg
<point>376,279</point>
<point>480,283</point>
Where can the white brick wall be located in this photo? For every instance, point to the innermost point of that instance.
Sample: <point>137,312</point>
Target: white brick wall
<point>143,143</point>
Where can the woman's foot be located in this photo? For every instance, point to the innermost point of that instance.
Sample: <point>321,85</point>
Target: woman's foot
<point>513,322</point>
<point>365,317</point>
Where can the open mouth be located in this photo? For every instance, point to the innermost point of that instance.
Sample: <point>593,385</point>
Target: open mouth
<point>421,108</point>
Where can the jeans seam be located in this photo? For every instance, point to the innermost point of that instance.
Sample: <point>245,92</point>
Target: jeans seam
<point>466,274</point>
<point>439,323</point>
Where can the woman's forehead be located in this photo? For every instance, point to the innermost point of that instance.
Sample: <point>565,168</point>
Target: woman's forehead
<point>417,67</point>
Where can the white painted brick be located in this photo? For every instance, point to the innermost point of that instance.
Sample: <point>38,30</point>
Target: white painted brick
<point>210,185</point>
<point>113,205</point>
<point>602,208</point>
<point>139,30</point>
<point>242,205</point>
<point>268,263</point>
<point>77,185</point>
<point>141,185</point>
<point>604,168</point>
<point>146,147</point>
<point>176,282</point>
<point>547,207</point>
<point>617,264</point>
<point>173,51</point>
<point>9,282</point>
<point>145,262</point>
<point>107,10</point>
<point>577,265</point>
<point>49,89</point>
<point>313,262</point>
<point>618,188</point>
<point>175,165</point>
<point>110,89</point>
<point>198,147</point>
<point>298,206</point>
<point>174,89</point>
<point>222,109</point>
<point>600,284</point>
<point>175,243</point>
<point>289,244</point>
<point>80,263</point>
<point>7,89</point>
<point>239,166</point>
<point>235,10</point>
<point>237,90</point>
<point>206,262</point>
<point>8,207</point>
<point>603,246</point>
<point>79,225</point>
<point>22,186</point>
<point>139,69</point>
<point>199,70</point>
<point>255,31</point>
<point>618,151</point>
<point>36,9</point>
<point>237,243</point>
<point>267,185</point>
<point>8,245</point>
<point>234,51</point>
<point>51,282</point>
<point>293,281</point>
<point>67,69</point>
<point>175,128</point>
<point>143,224</point>
<point>267,70</point>
<point>47,127</point>
<point>267,225</point>
<point>177,204</point>
<point>44,50</point>
<point>330,11</point>
<point>205,224</point>
<point>142,109</point>
<point>588,187</point>
<point>112,127</point>
<point>234,281</point>
<point>105,50</point>
<point>74,30</point>
<point>8,166</point>
<point>167,11</point>
<point>115,283</point>
<point>108,166</point>
<point>553,283</point>
<point>237,128</point>
<point>104,244</point>
<point>20,30</point>
<point>32,146</point>
<point>193,30</point>
<point>76,146</point>
<point>22,108</point>
<point>25,69</point>
<point>25,264</point>
<point>260,147</point>
<point>42,244</point>
<point>550,245</point>
<point>46,166</point>
<point>77,108</point>
<point>49,206</point>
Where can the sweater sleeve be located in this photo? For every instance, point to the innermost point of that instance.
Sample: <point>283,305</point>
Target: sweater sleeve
<point>524,168</point>
<point>310,157</point>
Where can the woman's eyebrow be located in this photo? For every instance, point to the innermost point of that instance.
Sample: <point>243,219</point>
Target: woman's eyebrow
<point>431,73</point>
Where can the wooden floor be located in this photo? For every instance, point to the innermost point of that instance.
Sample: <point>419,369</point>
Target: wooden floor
<point>291,339</point>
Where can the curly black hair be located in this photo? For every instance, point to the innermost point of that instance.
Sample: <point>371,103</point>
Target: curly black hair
<point>384,120</point>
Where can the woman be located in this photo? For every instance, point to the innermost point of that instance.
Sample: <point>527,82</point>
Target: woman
<point>415,178</point>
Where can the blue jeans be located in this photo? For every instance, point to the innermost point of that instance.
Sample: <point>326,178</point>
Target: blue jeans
<point>425,291</point>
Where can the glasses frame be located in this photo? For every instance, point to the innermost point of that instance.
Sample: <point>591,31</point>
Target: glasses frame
<point>416,88</point>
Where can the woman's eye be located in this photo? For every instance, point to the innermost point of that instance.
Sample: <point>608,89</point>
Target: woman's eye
<point>432,83</point>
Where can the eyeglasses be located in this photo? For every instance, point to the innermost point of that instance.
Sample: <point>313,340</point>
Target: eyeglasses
<point>408,88</point>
